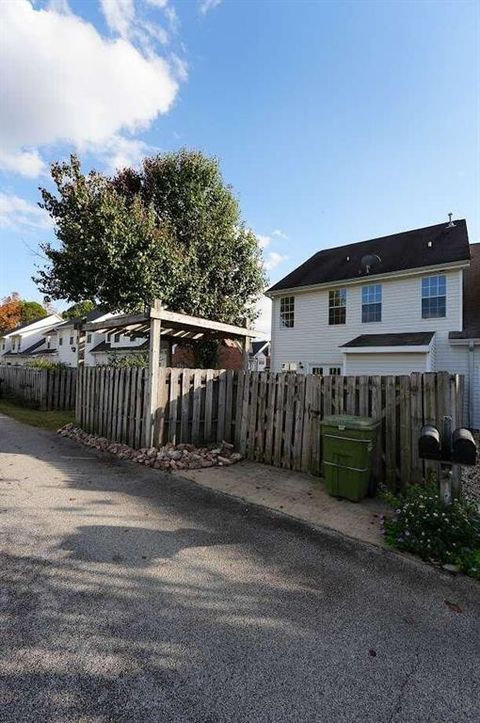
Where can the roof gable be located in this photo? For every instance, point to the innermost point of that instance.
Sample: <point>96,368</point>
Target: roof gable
<point>429,246</point>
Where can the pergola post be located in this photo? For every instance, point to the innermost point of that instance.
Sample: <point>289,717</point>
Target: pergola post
<point>153,371</point>
<point>246,341</point>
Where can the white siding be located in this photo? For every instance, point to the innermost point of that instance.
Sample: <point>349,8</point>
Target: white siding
<point>313,341</point>
<point>389,363</point>
<point>476,393</point>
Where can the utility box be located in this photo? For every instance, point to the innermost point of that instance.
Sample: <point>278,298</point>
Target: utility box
<point>348,445</point>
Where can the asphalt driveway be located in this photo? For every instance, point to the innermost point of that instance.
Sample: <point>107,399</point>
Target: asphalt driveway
<point>128,595</point>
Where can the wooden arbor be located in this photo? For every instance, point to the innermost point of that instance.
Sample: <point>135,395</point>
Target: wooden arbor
<point>158,322</point>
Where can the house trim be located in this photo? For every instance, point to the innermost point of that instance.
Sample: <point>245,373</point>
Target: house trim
<point>386,349</point>
<point>371,278</point>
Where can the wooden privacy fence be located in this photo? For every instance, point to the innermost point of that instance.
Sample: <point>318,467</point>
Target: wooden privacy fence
<point>46,389</point>
<point>271,418</point>
<point>113,403</point>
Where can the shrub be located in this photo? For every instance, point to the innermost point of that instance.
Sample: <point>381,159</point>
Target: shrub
<point>128,360</point>
<point>425,526</point>
<point>46,365</point>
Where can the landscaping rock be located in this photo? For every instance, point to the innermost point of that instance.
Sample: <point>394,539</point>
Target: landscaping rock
<point>167,458</point>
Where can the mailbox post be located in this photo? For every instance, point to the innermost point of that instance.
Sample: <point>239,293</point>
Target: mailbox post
<point>450,448</point>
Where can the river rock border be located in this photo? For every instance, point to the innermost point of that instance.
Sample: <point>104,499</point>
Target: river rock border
<point>168,458</point>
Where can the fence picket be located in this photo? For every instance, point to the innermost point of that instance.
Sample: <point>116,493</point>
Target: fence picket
<point>273,418</point>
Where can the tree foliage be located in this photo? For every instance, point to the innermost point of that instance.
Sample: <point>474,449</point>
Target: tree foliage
<point>10,312</point>
<point>81,309</point>
<point>15,311</point>
<point>31,311</point>
<point>172,231</point>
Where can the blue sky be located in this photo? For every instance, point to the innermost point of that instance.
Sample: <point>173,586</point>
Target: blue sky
<point>333,121</point>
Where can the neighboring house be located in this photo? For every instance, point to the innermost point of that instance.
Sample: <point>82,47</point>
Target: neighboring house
<point>118,345</point>
<point>65,338</point>
<point>259,356</point>
<point>392,305</point>
<point>29,341</point>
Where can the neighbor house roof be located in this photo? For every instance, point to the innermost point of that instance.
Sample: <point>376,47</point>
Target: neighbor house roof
<point>77,320</point>
<point>35,324</point>
<point>258,346</point>
<point>409,338</point>
<point>104,346</point>
<point>471,298</point>
<point>429,246</point>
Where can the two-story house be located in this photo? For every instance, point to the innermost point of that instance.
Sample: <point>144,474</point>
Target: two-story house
<point>391,305</point>
<point>23,343</point>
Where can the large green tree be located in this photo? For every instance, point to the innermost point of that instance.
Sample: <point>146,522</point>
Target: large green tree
<point>172,230</point>
<point>31,311</point>
<point>80,309</point>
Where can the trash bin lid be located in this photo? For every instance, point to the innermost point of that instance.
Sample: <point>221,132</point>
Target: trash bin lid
<point>348,421</point>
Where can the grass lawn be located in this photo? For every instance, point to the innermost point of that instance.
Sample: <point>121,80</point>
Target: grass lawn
<point>36,417</point>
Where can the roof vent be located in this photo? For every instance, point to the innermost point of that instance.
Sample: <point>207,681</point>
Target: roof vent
<point>450,222</point>
<point>429,244</point>
<point>348,258</point>
<point>369,262</point>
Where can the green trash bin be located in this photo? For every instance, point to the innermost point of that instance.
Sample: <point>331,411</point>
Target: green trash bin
<point>348,444</point>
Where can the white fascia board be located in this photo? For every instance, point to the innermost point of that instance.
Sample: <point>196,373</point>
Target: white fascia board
<point>372,278</point>
<point>386,349</point>
<point>464,342</point>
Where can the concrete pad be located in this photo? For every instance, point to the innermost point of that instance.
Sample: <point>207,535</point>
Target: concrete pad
<point>295,494</point>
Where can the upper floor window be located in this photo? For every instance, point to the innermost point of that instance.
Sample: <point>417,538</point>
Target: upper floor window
<point>116,338</point>
<point>434,297</point>
<point>72,340</point>
<point>287,311</point>
<point>337,306</point>
<point>60,340</point>
<point>89,338</point>
<point>371,303</point>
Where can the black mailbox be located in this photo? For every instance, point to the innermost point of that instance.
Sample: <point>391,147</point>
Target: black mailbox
<point>464,449</point>
<point>429,446</point>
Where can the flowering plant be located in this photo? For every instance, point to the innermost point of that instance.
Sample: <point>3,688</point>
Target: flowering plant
<point>425,526</point>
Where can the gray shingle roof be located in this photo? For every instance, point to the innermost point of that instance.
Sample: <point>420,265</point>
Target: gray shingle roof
<point>397,252</point>
<point>409,338</point>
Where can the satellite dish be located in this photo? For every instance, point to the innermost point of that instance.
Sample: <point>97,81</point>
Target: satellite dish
<point>369,262</point>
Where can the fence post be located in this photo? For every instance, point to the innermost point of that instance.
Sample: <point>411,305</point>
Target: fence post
<point>153,371</point>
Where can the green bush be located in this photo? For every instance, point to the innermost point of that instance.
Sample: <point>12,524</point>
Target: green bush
<point>128,360</point>
<point>425,526</point>
<point>46,365</point>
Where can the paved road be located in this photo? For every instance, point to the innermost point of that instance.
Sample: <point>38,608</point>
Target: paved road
<point>129,596</point>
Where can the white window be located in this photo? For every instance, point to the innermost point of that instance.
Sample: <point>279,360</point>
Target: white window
<point>71,341</point>
<point>335,371</point>
<point>287,311</point>
<point>60,340</point>
<point>337,306</point>
<point>317,371</point>
<point>289,367</point>
<point>116,338</point>
<point>434,297</point>
<point>89,338</point>
<point>371,303</point>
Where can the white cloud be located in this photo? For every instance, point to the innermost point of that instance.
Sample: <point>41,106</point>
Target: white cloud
<point>73,85</point>
<point>26,163</point>
<point>273,259</point>
<point>279,234</point>
<point>206,5</point>
<point>120,152</point>
<point>263,241</point>
<point>119,15</point>
<point>17,213</point>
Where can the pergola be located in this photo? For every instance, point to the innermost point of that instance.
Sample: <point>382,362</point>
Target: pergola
<point>157,322</point>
